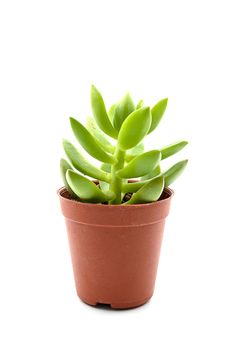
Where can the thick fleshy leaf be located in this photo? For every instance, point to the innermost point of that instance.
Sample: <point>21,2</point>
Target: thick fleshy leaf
<point>89,143</point>
<point>132,187</point>
<point>169,150</point>
<point>99,136</point>
<point>155,172</point>
<point>140,165</point>
<point>174,172</point>
<point>134,152</point>
<point>100,114</point>
<point>140,104</point>
<point>169,175</point>
<point>82,164</point>
<point>85,189</point>
<point>134,128</point>
<point>123,108</point>
<point>111,112</point>
<point>157,112</point>
<point>150,192</point>
<point>104,185</point>
<point>64,166</point>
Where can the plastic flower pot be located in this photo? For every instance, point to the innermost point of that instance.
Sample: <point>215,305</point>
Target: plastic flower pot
<point>115,249</point>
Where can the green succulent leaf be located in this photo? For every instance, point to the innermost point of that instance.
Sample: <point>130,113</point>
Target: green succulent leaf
<point>104,185</point>
<point>89,143</point>
<point>85,189</point>
<point>169,150</point>
<point>111,112</point>
<point>140,104</point>
<point>157,112</point>
<point>174,172</point>
<point>140,165</point>
<point>169,175</point>
<point>155,172</point>
<point>81,164</point>
<point>100,114</point>
<point>64,166</point>
<point>132,187</point>
<point>149,192</point>
<point>99,136</point>
<point>106,167</point>
<point>134,128</point>
<point>134,152</point>
<point>128,124</point>
<point>122,109</point>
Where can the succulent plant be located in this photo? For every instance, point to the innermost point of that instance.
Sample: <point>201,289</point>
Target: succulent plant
<point>122,160</point>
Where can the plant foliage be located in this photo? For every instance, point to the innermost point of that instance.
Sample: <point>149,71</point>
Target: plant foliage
<point>123,158</point>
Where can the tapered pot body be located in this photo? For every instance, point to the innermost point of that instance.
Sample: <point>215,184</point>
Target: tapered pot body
<point>115,249</point>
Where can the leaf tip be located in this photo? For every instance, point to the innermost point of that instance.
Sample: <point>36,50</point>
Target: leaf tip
<point>62,161</point>
<point>93,88</point>
<point>164,102</point>
<point>183,163</point>
<point>72,121</point>
<point>64,142</point>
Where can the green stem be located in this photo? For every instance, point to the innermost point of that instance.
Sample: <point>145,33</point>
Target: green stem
<point>116,181</point>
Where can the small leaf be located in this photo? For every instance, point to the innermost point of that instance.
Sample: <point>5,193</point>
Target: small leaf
<point>134,152</point>
<point>169,175</point>
<point>85,189</point>
<point>64,166</point>
<point>81,164</point>
<point>150,192</point>
<point>99,136</point>
<point>132,187</point>
<point>140,165</point>
<point>111,112</point>
<point>88,142</point>
<point>157,112</point>
<point>174,172</point>
<point>155,172</point>
<point>134,128</point>
<point>140,104</point>
<point>100,114</point>
<point>104,185</point>
<point>123,108</point>
<point>169,150</point>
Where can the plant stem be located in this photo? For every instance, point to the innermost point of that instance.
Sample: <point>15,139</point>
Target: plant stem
<point>116,181</point>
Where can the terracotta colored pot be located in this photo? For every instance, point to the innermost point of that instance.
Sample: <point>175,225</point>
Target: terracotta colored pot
<point>115,249</point>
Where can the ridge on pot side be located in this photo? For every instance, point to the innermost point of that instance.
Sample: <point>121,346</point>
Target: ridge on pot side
<point>115,224</point>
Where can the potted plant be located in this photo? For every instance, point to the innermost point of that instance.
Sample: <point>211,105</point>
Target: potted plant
<point>115,216</point>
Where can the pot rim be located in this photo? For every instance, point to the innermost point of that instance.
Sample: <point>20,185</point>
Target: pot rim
<point>167,190</point>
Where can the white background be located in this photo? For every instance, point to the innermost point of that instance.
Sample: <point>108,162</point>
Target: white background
<point>51,51</point>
